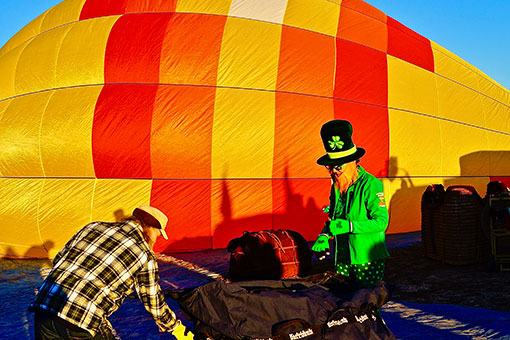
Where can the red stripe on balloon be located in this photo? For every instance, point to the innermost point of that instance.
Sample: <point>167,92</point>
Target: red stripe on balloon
<point>187,205</point>
<point>362,7</point>
<point>504,179</point>
<point>100,8</point>
<point>133,51</point>
<point>121,131</point>
<point>361,74</point>
<point>370,131</point>
<point>151,6</point>
<point>408,45</point>
<point>191,49</point>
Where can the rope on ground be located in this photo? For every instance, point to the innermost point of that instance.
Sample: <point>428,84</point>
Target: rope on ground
<point>190,266</point>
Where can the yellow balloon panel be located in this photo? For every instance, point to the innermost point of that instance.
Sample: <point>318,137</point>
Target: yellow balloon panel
<point>415,148</point>
<point>243,134</point>
<point>249,54</point>
<point>492,89</point>
<point>115,199</point>
<point>452,67</point>
<point>316,16</point>
<point>411,87</point>
<point>3,107</point>
<point>83,63</point>
<point>8,63</point>
<point>499,154</point>
<point>403,200</point>
<point>219,7</point>
<point>459,103</point>
<point>65,207</point>
<point>19,136</point>
<point>497,115</point>
<point>26,33</point>
<point>459,140</point>
<point>36,66</point>
<point>18,217</point>
<point>66,132</point>
<point>63,13</point>
<point>263,10</point>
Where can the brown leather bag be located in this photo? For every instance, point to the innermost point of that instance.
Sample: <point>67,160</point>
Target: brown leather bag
<point>269,255</point>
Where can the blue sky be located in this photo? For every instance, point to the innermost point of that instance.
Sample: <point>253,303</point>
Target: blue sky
<point>478,31</point>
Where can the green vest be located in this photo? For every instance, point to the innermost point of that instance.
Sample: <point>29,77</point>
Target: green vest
<point>364,206</point>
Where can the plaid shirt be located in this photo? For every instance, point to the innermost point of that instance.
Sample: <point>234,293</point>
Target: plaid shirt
<point>96,270</point>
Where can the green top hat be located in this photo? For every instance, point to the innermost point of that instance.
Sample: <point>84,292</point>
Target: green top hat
<point>336,136</point>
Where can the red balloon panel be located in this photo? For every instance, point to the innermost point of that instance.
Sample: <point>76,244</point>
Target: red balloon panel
<point>370,131</point>
<point>191,49</point>
<point>361,74</point>
<point>100,8</point>
<point>187,204</point>
<point>134,47</point>
<point>121,131</point>
<point>408,45</point>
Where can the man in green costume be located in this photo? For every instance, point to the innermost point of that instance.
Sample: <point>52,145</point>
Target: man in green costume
<point>357,213</point>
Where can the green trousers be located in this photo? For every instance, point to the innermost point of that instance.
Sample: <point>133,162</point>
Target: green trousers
<point>365,274</point>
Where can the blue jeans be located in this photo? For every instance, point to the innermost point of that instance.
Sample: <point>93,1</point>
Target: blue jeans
<point>49,327</point>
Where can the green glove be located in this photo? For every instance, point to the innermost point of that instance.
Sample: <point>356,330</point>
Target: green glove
<point>322,244</point>
<point>179,331</point>
<point>339,226</point>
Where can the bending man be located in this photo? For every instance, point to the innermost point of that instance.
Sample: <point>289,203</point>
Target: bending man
<point>95,271</point>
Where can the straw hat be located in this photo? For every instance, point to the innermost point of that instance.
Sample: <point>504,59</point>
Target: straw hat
<point>153,217</point>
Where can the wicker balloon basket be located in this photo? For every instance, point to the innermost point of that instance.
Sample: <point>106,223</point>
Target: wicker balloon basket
<point>451,228</point>
<point>431,202</point>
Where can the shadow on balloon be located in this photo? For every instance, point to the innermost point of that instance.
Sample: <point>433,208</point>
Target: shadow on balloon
<point>297,213</point>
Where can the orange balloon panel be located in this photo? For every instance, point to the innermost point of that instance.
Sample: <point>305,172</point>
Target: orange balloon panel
<point>211,111</point>
<point>186,203</point>
<point>306,63</point>
<point>238,206</point>
<point>182,127</point>
<point>298,204</point>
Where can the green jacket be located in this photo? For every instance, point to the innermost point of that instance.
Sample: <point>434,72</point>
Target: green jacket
<point>358,220</point>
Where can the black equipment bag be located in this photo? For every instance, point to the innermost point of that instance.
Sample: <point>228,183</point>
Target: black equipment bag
<point>269,255</point>
<point>320,307</point>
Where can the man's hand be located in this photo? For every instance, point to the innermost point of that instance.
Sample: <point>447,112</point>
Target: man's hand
<point>179,331</point>
<point>339,226</point>
<point>321,244</point>
<point>321,247</point>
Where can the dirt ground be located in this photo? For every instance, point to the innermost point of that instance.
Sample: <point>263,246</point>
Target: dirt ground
<point>413,277</point>
<point>416,278</point>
